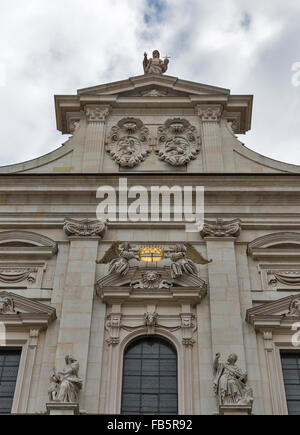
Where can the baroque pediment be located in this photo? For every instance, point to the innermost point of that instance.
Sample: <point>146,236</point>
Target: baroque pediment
<point>19,310</point>
<point>150,283</point>
<point>153,85</point>
<point>280,313</point>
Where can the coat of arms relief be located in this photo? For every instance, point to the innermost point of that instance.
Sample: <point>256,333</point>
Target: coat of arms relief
<point>129,142</point>
<point>177,142</point>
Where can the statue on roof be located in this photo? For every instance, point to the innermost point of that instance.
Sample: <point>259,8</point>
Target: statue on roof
<point>155,65</point>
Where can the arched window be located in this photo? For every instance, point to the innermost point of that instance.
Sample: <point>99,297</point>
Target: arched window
<point>150,377</point>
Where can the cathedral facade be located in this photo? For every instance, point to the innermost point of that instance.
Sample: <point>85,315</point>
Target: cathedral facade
<point>142,316</point>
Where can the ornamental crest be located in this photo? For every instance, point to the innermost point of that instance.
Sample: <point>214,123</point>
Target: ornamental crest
<point>129,143</point>
<point>177,142</point>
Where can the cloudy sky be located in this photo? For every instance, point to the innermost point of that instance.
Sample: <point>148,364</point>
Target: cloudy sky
<point>59,46</point>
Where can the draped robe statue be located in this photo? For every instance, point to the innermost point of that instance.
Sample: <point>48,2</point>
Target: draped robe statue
<point>230,384</point>
<point>66,385</point>
<point>155,65</point>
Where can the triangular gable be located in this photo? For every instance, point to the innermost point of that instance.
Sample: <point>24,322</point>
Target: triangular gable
<point>273,314</point>
<point>25,311</point>
<point>136,86</point>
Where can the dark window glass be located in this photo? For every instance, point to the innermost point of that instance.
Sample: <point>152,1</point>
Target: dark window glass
<point>9,366</point>
<point>150,377</point>
<point>291,375</point>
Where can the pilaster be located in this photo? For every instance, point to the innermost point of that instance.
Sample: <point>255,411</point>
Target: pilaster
<point>96,116</point>
<point>210,116</point>
<point>226,321</point>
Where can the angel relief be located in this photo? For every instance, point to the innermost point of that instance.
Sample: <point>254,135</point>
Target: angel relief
<point>180,260</point>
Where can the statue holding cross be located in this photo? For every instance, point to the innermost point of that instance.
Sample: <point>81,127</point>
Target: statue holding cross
<point>155,65</point>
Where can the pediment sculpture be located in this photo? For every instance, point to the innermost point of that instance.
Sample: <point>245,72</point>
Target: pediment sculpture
<point>294,308</point>
<point>178,143</point>
<point>179,268</point>
<point>7,305</point>
<point>155,65</point>
<point>65,386</point>
<point>230,383</point>
<point>129,143</point>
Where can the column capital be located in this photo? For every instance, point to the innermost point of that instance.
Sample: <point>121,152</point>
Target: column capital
<point>97,113</point>
<point>85,228</point>
<point>221,228</point>
<point>210,113</point>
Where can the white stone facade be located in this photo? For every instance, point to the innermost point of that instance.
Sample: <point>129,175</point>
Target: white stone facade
<point>252,236</point>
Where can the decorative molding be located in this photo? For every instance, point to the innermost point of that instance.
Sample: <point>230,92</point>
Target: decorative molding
<point>177,142</point>
<point>276,245</point>
<point>150,280</point>
<point>286,277</point>
<point>96,113</point>
<point>221,228</point>
<point>17,275</point>
<point>210,113</point>
<point>188,329</point>
<point>34,338</point>
<point>129,143</point>
<point>85,228</point>
<point>113,326</point>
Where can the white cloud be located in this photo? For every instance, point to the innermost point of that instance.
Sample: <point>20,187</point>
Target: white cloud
<point>59,46</point>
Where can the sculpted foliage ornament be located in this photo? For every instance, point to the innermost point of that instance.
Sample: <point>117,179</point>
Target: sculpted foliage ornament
<point>221,228</point>
<point>129,143</point>
<point>85,228</point>
<point>177,142</point>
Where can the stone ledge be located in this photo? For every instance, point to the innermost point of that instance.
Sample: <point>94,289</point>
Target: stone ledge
<point>54,408</point>
<point>235,410</point>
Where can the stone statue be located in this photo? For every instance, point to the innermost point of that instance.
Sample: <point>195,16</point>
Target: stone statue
<point>230,384</point>
<point>7,305</point>
<point>155,65</point>
<point>53,386</point>
<point>65,386</point>
<point>180,263</point>
<point>120,265</point>
<point>294,308</point>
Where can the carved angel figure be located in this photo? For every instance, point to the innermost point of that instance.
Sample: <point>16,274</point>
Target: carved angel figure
<point>155,65</point>
<point>230,384</point>
<point>64,386</point>
<point>119,258</point>
<point>183,260</point>
<point>294,308</point>
<point>7,305</point>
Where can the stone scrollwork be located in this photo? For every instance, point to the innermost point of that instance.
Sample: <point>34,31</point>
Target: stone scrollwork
<point>288,278</point>
<point>221,228</point>
<point>211,113</point>
<point>150,280</point>
<point>129,143</point>
<point>113,326</point>
<point>85,228</point>
<point>178,143</point>
<point>65,386</point>
<point>230,384</point>
<point>97,113</point>
<point>11,276</point>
